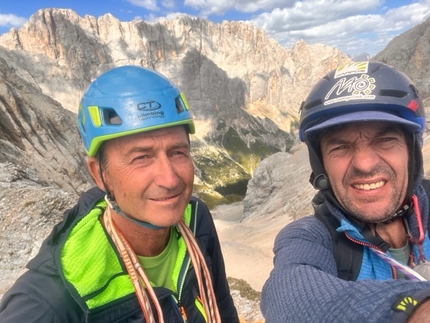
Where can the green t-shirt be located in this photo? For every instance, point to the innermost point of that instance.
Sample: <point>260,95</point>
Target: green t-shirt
<point>159,269</point>
<point>402,256</point>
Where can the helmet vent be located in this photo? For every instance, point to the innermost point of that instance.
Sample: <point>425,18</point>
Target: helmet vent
<point>179,105</point>
<point>111,117</point>
<point>393,93</point>
<point>312,104</point>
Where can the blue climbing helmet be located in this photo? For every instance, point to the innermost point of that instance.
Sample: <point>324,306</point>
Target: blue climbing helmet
<point>127,100</point>
<point>362,91</point>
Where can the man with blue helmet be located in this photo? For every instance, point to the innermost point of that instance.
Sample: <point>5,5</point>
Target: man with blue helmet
<point>138,247</point>
<point>363,256</point>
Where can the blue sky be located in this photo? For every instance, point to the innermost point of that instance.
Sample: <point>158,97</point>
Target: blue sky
<point>353,26</point>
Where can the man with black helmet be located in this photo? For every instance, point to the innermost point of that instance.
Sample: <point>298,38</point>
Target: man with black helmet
<point>138,247</point>
<point>362,257</point>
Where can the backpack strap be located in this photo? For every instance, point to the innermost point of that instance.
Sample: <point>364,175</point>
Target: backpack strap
<point>348,255</point>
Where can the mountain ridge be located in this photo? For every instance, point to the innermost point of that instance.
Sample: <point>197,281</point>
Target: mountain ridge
<point>244,90</point>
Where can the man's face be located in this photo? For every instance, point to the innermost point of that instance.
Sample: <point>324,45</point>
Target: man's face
<point>367,165</point>
<point>150,174</point>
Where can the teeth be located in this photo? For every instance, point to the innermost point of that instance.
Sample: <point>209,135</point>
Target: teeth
<point>368,187</point>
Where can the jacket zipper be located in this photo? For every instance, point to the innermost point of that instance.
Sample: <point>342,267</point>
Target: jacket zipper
<point>180,290</point>
<point>180,309</point>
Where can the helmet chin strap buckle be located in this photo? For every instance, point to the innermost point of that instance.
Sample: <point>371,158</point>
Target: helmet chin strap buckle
<point>320,182</point>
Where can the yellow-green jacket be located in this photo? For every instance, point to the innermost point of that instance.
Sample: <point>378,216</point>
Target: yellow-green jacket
<point>78,276</point>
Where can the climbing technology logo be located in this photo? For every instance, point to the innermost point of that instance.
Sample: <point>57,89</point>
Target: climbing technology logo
<point>405,304</point>
<point>149,106</point>
<point>149,110</point>
<point>351,88</point>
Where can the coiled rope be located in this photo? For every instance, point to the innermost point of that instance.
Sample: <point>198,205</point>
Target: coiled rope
<point>141,283</point>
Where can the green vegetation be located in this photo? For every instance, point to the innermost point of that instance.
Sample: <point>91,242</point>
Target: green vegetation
<point>245,290</point>
<point>213,200</point>
<point>226,166</point>
<point>225,181</point>
<point>29,203</point>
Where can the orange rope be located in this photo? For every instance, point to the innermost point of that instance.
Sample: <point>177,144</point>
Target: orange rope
<point>207,294</point>
<point>137,274</point>
<point>132,264</point>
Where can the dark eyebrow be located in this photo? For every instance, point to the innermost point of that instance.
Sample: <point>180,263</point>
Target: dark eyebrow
<point>142,149</point>
<point>139,149</point>
<point>334,140</point>
<point>386,129</point>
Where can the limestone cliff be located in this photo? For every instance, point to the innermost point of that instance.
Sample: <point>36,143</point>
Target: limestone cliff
<point>410,53</point>
<point>243,87</point>
<point>38,135</point>
<point>219,66</point>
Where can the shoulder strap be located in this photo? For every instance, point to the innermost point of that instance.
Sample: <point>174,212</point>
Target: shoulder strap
<point>348,255</point>
<point>426,184</point>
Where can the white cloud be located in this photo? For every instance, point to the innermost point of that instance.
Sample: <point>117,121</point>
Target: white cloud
<point>407,16</point>
<point>340,28</point>
<point>219,7</point>
<point>9,20</point>
<point>174,15</point>
<point>210,7</point>
<point>351,26</point>
<point>168,3</point>
<point>147,4</point>
<point>169,16</point>
<point>308,13</point>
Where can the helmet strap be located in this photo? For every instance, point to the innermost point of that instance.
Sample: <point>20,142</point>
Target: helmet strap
<point>318,178</point>
<point>114,206</point>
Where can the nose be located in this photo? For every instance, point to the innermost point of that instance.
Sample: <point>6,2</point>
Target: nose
<point>166,173</point>
<point>365,158</point>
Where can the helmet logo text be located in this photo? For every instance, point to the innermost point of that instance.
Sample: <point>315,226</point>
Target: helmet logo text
<point>149,106</point>
<point>354,88</point>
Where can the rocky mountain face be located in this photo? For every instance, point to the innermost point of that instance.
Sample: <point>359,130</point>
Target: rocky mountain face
<point>243,87</point>
<point>244,90</point>
<point>42,167</point>
<point>275,177</point>
<point>410,53</point>
<point>37,134</point>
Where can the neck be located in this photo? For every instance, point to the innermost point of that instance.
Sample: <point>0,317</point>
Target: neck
<point>394,232</point>
<point>144,241</point>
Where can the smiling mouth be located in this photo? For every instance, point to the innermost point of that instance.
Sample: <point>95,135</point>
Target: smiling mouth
<point>368,187</point>
<point>166,198</point>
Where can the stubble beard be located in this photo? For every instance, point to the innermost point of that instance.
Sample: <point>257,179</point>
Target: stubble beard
<point>364,213</point>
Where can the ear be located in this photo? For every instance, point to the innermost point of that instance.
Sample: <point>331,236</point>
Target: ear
<point>94,169</point>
